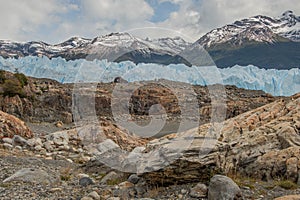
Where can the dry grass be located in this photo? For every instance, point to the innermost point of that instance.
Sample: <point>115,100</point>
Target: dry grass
<point>66,173</point>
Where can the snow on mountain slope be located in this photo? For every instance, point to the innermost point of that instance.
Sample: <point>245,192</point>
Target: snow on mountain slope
<point>258,28</point>
<point>109,47</point>
<point>276,82</point>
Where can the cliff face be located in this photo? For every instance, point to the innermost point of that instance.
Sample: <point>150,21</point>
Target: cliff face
<point>39,100</point>
<point>44,100</point>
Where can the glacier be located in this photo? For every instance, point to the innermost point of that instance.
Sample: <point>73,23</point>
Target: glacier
<point>275,82</point>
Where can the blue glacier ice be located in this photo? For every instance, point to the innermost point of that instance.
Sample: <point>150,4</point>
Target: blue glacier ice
<point>275,82</point>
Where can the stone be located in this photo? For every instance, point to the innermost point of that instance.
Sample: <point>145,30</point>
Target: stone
<point>199,191</point>
<point>223,188</point>
<point>86,198</point>
<point>183,191</point>
<point>289,197</point>
<point>292,169</point>
<point>19,141</point>
<point>38,148</point>
<point>56,190</point>
<point>110,177</point>
<point>18,148</point>
<point>82,176</point>
<point>83,159</point>
<point>7,140</point>
<point>288,137</point>
<point>125,185</point>
<point>60,138</point>
<point>8,146</point>
<point>48,145</point>
<point>64,148</point>
<point>94,195</point>
<point>11,126</point>
<point>106,146</point>
<point>59,124</point>
<point>133,178</point>
<point>31,175</point>
<point>85,181</point>
<point>34,142</point>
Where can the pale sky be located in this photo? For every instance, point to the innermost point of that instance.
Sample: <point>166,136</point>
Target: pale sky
<point>54,21</point>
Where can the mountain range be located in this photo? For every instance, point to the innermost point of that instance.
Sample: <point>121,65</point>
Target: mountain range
<point>262,41</point>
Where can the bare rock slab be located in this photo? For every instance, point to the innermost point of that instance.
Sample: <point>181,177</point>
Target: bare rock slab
<point>31,175</point>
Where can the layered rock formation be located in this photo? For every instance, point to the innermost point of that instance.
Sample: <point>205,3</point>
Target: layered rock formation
<point>262,143</point>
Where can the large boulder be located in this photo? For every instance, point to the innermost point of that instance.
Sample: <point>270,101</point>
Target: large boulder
<point>223,188</point>
<point>11,126</point>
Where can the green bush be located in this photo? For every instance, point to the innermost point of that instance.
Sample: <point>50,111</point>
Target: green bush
<point>288,185</point>
<point>22,79</point>
<point>12,88</point>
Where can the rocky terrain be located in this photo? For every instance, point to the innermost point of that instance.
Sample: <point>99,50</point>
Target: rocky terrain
<point>253,150</point>
<point>255,155</point>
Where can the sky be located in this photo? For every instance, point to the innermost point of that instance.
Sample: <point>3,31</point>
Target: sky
<point>54,21</point>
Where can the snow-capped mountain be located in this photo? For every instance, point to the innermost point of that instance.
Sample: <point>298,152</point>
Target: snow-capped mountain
<point>262,41</point>
<point>258,29</point>
<point>113,47</point>
<point>271,43</point>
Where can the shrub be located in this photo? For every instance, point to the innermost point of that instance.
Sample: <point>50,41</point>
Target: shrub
<point>288,185</point>
<point>12,88</point>
<point>22,79</point>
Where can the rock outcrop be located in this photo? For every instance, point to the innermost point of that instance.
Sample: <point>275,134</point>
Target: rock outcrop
<point>46,100</point>
<point>11,126</point>
<point>262,143</point>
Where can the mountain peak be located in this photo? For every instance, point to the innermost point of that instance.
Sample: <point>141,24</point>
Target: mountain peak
<point>290,17</point>
<point>258,28</point>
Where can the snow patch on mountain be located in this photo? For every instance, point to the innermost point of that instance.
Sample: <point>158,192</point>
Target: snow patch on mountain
<point>275,82</point>
<point>104,46</point>
<point>258,28</point>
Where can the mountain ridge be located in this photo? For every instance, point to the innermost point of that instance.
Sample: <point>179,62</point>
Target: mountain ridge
<point>266,42</point>
<point>260,40</point>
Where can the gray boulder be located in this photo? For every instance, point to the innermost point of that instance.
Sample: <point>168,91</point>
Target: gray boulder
<point>199,191</point>
<point>223,188</point>
<point>19,141</point>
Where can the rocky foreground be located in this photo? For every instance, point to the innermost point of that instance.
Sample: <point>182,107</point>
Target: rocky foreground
<point>259,150</point>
